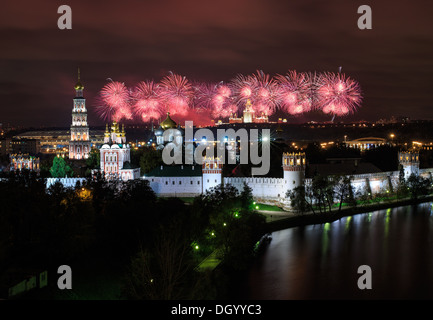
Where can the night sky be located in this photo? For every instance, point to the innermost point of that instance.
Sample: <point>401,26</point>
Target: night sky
<point>130,41</point>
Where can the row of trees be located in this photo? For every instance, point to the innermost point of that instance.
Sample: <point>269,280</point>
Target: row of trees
<point>327,192</point>
<point>222,219</point>
<point>321,195</point>
<point>154,240</point>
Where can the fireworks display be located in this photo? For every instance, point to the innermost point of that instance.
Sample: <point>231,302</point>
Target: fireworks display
<point>293,93</point>
<point>146,101</point>
<point>337,94</point>
<point>176,94</point>
<point>115,102</point>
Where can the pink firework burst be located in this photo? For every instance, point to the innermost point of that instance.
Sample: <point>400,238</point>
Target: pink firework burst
<point>242,88</point>
<point>123,112</point>
<point>222,103</point>
<point>295,89</point>
<point>176,93</point>
<point>338,95</point>
<point>267,93</point>
<point>114,101</point>
<point>146,100</point>
<point>215,99</point>
<point>203,95</point>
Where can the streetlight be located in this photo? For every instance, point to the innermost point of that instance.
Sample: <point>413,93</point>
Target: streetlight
<point>392,135</point>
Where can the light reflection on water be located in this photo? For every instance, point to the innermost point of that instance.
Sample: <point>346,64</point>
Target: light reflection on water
<point>321,261</point>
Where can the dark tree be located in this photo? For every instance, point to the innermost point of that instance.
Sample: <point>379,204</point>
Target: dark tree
<point>418,186</point>
<point>60,169</point>
<point>344,191</point>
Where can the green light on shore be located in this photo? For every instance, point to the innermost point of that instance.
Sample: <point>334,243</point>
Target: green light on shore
<point>257,207</point>
<point>196,247</point>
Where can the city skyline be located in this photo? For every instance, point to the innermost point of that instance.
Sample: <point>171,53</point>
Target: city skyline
<point>130,42</point>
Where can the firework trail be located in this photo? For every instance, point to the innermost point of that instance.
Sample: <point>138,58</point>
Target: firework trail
<point>215,99</point>
<point>114,101</point>
<point>242,87</point>
<point>267,93</point>
<point>260,89</point>
<point>294,92</point>
<point>338,95</point>
<point>203,95</point>
<point>146,100</point>
<point>176,94</point>
<point>223,102</point>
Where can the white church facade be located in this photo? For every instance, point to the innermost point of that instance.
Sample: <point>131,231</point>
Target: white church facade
<point>115,155</point>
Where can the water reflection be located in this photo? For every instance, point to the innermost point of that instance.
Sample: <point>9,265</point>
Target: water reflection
<point>321,261</point>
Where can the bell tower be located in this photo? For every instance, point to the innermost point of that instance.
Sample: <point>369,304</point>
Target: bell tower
<point>294,169</point>
<point>212,172</point>
<point>410,162</point>
<point>79,146</point>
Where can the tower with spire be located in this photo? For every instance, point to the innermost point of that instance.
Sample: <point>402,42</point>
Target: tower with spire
<point>79,146</point>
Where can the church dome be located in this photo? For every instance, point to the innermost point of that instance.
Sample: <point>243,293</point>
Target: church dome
<point>78,86</point>
<point>168,123</point>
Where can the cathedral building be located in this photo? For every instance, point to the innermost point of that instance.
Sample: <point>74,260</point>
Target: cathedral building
<point>115,155</point>
<point>79,146</point>
<point>175,134</point>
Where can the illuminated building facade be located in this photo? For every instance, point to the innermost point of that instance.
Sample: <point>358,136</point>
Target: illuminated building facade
<point>24,161</point>
<point>79,146</point>
<point>174,135</point>
<point>249,116</point>
<point>115,155</point>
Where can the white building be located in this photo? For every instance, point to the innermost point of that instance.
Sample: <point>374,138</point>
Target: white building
<point>115,155</point>
<point>190,181</point>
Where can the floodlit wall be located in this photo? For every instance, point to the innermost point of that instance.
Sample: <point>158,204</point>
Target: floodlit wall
<point>67,182</point>
<point>175,186</point>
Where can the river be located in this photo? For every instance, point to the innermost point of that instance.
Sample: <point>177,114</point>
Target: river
<point>321,261</point>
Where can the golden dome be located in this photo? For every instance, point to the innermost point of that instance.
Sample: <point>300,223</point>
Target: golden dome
<point>79,86</point>
<point>168,123</point>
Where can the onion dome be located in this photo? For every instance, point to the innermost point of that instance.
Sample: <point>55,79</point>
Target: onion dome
<point>79,86</point>
<point>168,123</point>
